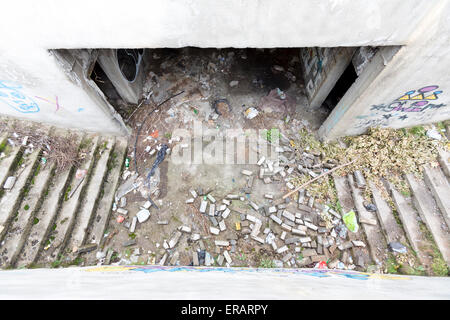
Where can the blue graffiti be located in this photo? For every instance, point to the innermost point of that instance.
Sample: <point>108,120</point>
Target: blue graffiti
<point>319,273</point>
<point>12,96</point>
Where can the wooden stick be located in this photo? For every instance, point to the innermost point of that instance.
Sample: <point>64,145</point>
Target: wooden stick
<point>318,177</point>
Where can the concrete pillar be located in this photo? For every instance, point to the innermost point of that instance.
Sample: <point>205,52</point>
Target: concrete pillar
<point>130,91</point>
<point>341,118</point>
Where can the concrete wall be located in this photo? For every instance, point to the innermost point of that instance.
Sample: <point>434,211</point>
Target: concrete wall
<point>400,89</point>
<point>159,282</point>
<point>206,23</point>
<point>35,87</point>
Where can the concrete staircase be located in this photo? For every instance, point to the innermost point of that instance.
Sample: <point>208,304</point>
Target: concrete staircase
<point>48,213</point>
<point>419,219</point>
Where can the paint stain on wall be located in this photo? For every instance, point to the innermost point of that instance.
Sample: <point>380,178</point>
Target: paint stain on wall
<point>418,105</point>
<point>11,95</point>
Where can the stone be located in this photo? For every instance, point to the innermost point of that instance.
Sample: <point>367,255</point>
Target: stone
<point>397,247</point>
<point>272,210</point>
<point>163,222</point>
<point>147,204</point>
<point>260,240</point>
<point>358,243</point>
<point>252,218</point>
<point>283,235</point>
<point>268,196</point>
<point>195,237</point>
<point>304,262</point>
<point>320,249</point>
<point>288,215</point>
<point>129,243</point>
<point>359,179</point>
<point>163,260</point>
<point>143,215</point>
<point>220,260</point>
<point>190,200</point>
<point>222,243</point>
<point>208,259</point>
<point>305,239</point>
<point>222,225</point>
<point>291,240</point>
<point>345,245</point>
<point>86,248</point>
<point>287,257</point>
<point>214,231</point>
<point>174,258</point>
<point>212,209</point>
<point>122,211</point>
<point>254,205</point>
<point>211,198</point>
<point>247,172</point>
<point>311,226</point>
<point>226,213</point>
<point>173,242</point>
<point>9,183</point>
<point>282,249</point>
<point>133,224</point>
<point>369,221</point>
<point>185,229</point>
<point>195,258</point>
<point>276,219</point>
<point>286,227</point>
<point>256,228</point>
<point>214,221</point>
<point>309,252</point>
<point>298,232</point>
<point>303,207</point>
<point>227,256</point>
<point>203,206</point>
<point>318,258</point>
<point>193,193</point>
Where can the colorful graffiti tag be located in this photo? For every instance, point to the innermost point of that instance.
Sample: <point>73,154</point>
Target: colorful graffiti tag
<point>11,94</point>
<point>320,273</point>
<point>411,104</point>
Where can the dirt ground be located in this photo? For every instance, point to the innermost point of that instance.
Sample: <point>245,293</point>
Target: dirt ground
<point>206,76</point>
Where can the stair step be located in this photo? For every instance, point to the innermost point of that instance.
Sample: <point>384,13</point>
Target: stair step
<point>67,215</point>
<point>86,211</point>
<point>375,239</point>
<point>8,162</point>
<point>444,161</point>
<point>104,208</point>
<point>428,211</point>
<point>440,188</point>
<point>410,220</point>
<point>20,226</point>
<point>345,199</point>
<point>386,217</point>
<point>46,216</point>
<point>11,200</point>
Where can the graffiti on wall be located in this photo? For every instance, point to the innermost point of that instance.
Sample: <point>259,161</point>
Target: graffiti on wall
<point>318,273</point>
<point>413,104</point>
<point>12,95</point>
